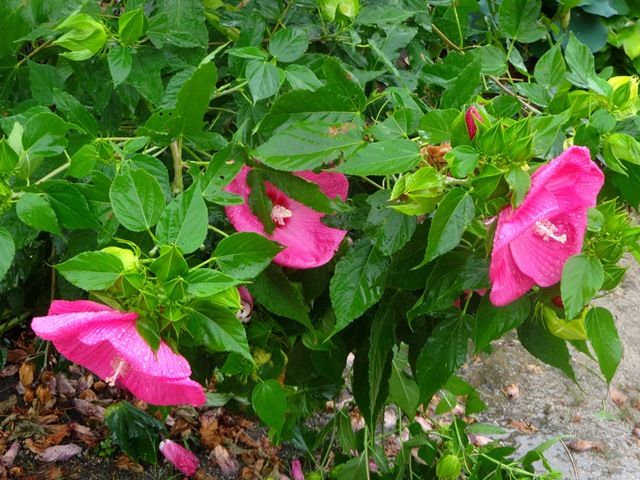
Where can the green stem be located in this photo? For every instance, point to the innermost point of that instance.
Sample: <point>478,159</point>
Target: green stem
<point>176,154</point>
<point>32,53</point>
<point>53,173</point>
<point>217,230</point>
<point>225,91</point>
<point>14,322</point>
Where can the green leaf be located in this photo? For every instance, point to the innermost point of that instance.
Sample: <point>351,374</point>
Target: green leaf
<point>354,469</point>
<point>44,135</point>
<point>383,158</point>
<point>36,212</point>
<point>269,400</point>
<point>8,157</point>
<point>358,282</point>
<point>390,229</point>
<point>120,62</point>
<point>403,390</point>
<point>148,329</point>
<point>205,282</point>
<point>259,202</point>
<point>244,255</point>
<point>178,23</point>
<point>131,26</point>
<point>519,181</point>
<point>75,112</point>
<point>264,79</point>
<point>184,221</point>
<point>443,353</point>
<point>463,87</point>
<point>8,249</point>
<point>135,431</point>
<point>437,125</point>
<point>546,347</point>
<point>91,270</point>
<point>137,199</point>
<point>302,78</point>
<point>83,161</point>
<point>518,19</point>
<point>603,335</point>
<point>308,145</point>
<point>454,214</point>
<point>300,189</point>
<point>275,292</point>
<point>218,330</point>
<point>550,69</point>
<point>193,100</point>
<point>462,160</point>
<point>287,45</point>
<point>70,205</point>
<point>169,264</point>
<point>492,322</point>
<point>582,277</point>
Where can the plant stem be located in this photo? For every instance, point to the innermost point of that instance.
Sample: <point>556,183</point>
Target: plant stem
<point>217,230</point>
<point>510,92</point>
<point>225,91</point>
<point>14,322</point>
<point>176,154</point>
<point>53,173</point>
<point>32,53</point>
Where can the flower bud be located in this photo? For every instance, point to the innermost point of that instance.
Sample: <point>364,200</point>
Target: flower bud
<point>126,256</point>
<point>179,457</point>
<point>471,116</point>
<point>625,95</point>
<point>448,467</point>
<point>344,8</point>
<point>561,328</point>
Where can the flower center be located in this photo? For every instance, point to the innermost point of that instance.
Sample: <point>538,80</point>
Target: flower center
<point>547,230</point>
<point>244,314</point>
<point>279,213</point>
<point>118,369</point>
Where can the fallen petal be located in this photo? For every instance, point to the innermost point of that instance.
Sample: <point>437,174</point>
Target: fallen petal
<point>10,455</point>
<point>59,453</point>
<point>181,458</point>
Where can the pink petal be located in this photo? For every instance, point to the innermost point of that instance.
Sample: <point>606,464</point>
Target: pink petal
<point>58,307</point>
<point>545,266</point>
<point>508,283</point>
<point>471,116</point>
<point>181,458</point>
<point>59,453</point>
<point>309,243</point>
<point>158,391</point>
<point>296,470</point>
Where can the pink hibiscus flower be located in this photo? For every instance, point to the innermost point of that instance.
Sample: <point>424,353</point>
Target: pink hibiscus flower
<point>106,342</point>
<point>179,457</point>
<point>309,242</point>
<point>533,242</point>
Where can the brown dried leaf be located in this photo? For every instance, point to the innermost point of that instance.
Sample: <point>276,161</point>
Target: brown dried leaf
<point>10,455</point>
<point>16,356</point>
<point>585,445</point>
<point>8,404</point>
<point>85,434</point>
<point>524,427</point>
<point>54,473</point>
<point>88,409</point>
<point>59,453</point>
<point>9,371</point>
<point>88,395</point>
<point>27,372</point>
<point>224,460</point>
<point>123,462</point>
<point>65,386</point>
<point>617,396</point>
<point>209,435</point>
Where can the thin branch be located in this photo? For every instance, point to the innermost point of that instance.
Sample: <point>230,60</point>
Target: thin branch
<point>176,154</point>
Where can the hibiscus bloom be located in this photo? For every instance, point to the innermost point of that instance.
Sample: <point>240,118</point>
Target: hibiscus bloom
<point>309,242</point>
<point>107,342</point>
<point>533,241</point>
<point>179,457</point>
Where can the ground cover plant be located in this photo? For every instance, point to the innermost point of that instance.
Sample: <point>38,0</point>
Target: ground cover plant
<point>208,203</point>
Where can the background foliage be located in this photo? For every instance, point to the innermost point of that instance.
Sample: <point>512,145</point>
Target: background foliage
<point>124,121</point>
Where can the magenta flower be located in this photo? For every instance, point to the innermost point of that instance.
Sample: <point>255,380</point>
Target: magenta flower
<point>309,242</point>
<point>533,242</point>
<point>106,342</point>
<point>296,470</point>
<point>179,457</point>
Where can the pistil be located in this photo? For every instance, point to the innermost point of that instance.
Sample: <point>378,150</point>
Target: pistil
<point>279,213</point>
<point>547,230</point>
<point>118,370</point>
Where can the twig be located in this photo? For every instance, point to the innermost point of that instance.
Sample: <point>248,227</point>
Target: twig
<point>572,460</point>
<point>510,92</point>
<point>176,154</point>
<point>53,173</point>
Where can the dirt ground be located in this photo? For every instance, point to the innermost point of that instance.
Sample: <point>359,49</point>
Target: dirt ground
<point>598,425</point>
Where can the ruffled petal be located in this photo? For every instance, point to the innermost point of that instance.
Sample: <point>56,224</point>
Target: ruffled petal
<point>59,307</point>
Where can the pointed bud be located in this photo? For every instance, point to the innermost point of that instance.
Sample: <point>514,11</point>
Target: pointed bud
<point>472,116</point>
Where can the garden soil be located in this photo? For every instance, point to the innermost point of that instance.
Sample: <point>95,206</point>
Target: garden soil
<point>600,426</point>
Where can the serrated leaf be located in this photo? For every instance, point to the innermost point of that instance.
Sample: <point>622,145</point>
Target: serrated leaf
<point>437,125</point>
<point>276,293</point>
<point>443,353</point>
<point>603,336</point>
<point>205,282</point>
<point>546,347</point>
<point>264,79</point>
<point>403,390</point>
<point>135,431</point>
<point>300,189</point>
<point>518,20</point>
<point>358,282</point>
<point>582,277</point>
<point>219,330</point>
<point>259,202</point>
<point>8,249</point>
<point>492,322</point>
<point>91,270</point>
<point>453,216</point>
<point>244,255</point>
<point>269,400</point>
<point>383,158</point>
<point>120,61</point>
<point>193,100</point>
<point>36,212</point>
<point>184,221</point>
<point>71,207</point>
<point>288,44</point>
<point>137,199</point>
<point>308,145</point>
<point>302,78</point>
